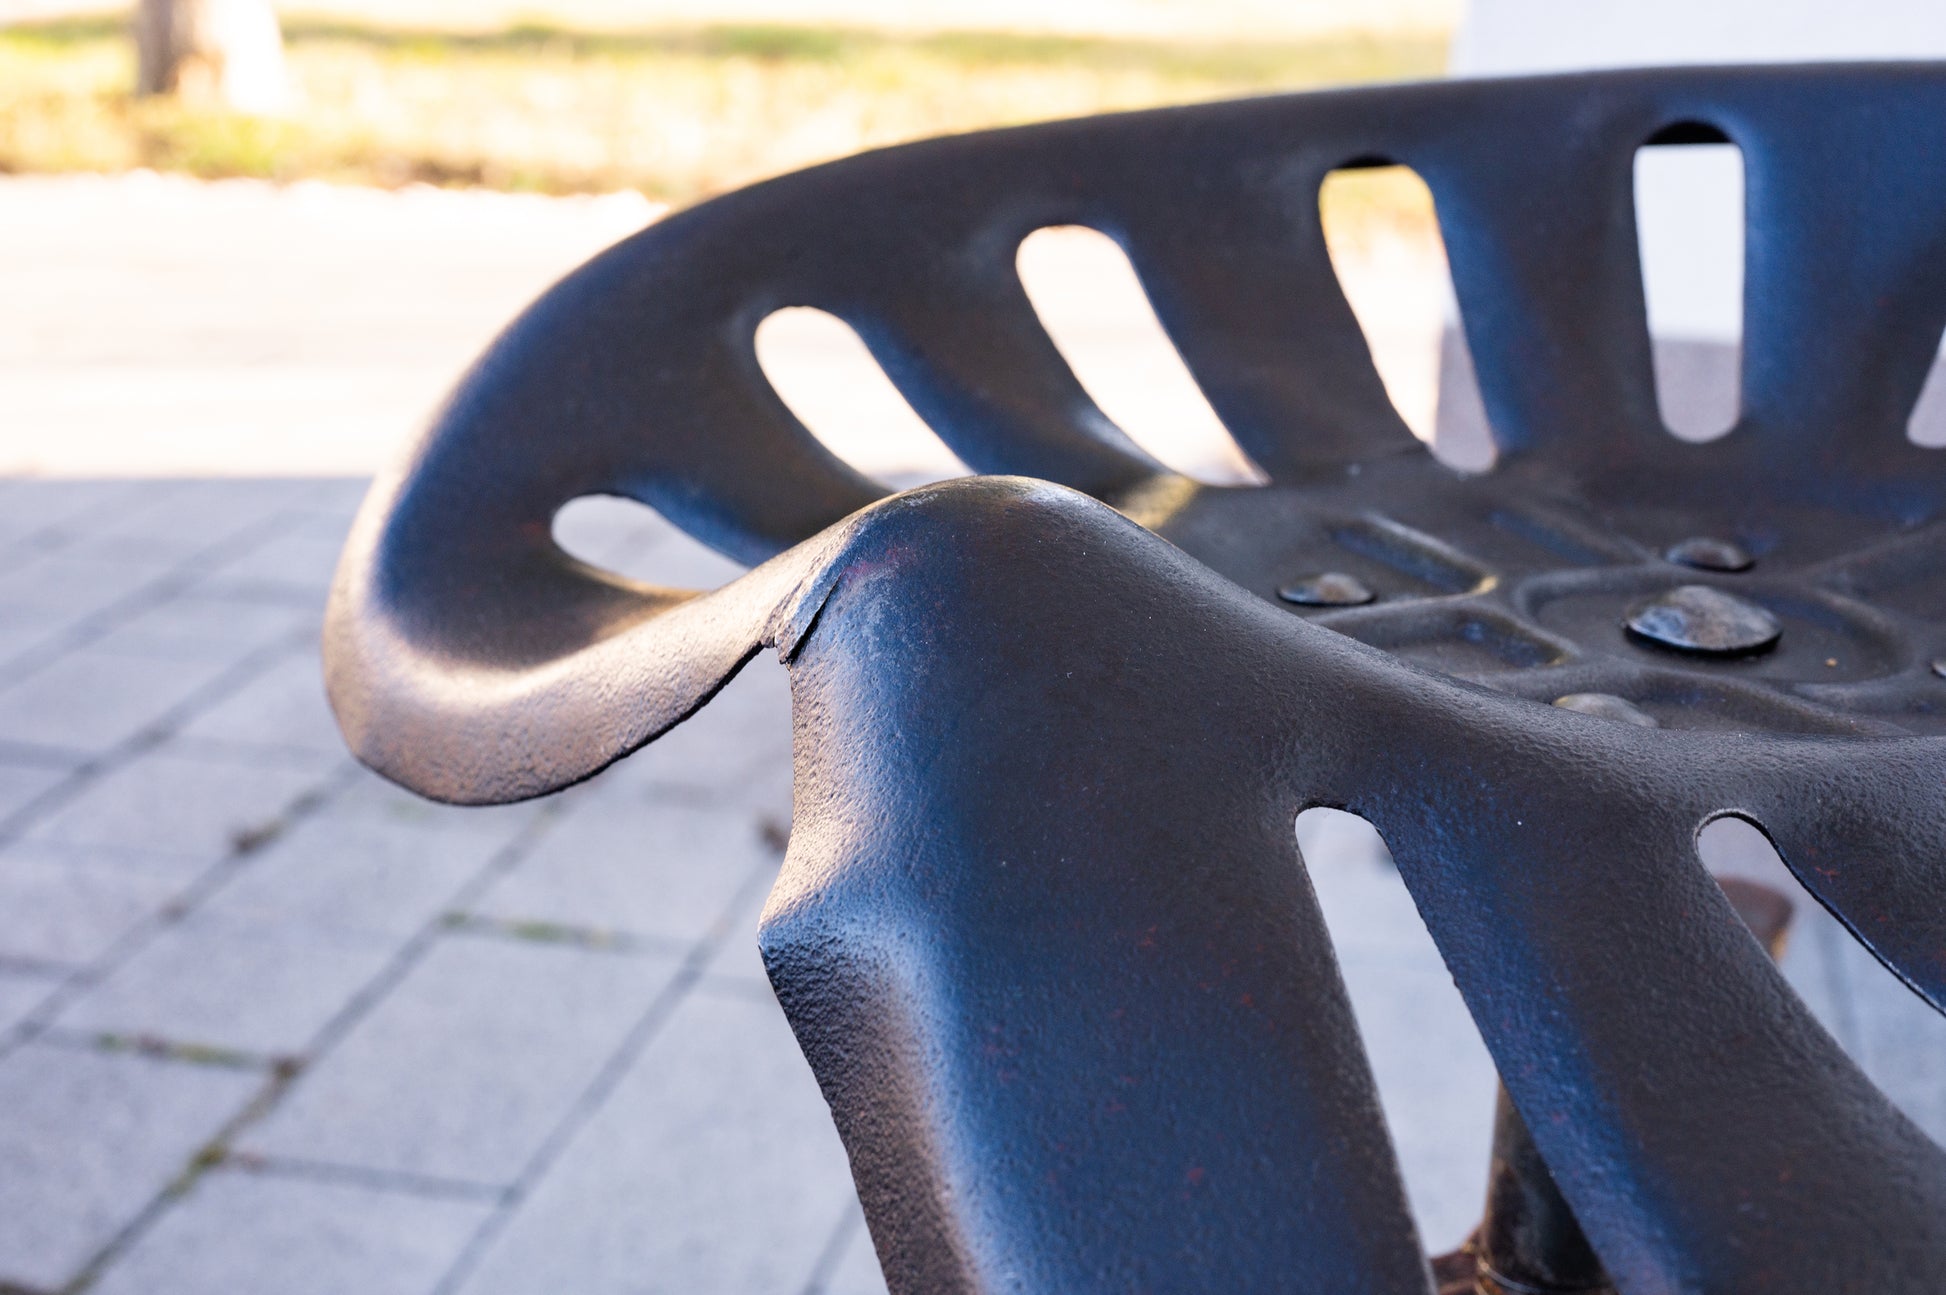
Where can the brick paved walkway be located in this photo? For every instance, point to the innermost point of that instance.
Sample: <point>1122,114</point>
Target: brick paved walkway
<point>273,1025</point>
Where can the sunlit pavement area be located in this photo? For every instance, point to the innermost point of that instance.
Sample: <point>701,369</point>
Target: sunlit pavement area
<point>269,1024</point>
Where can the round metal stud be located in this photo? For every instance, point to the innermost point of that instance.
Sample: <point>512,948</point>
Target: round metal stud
<point>1606,705</point>
<point>1327,589</point>
<point>1697,618</point>
<point>1706,554</point>
<point>1939,666</point>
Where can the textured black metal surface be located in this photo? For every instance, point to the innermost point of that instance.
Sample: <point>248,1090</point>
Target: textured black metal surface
<point>1042,930</point>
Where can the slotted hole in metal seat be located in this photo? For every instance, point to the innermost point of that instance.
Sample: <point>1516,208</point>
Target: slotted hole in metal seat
<point>628,538</point>
<point>825,373</point>
<point>1895,1038</point>
<point>1435,1079</point>
<point>1689,217</point>
<point>1092,304</point>
<point>1381,230</point>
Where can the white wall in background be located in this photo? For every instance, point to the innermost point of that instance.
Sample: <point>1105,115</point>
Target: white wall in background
<point>1504,36</point>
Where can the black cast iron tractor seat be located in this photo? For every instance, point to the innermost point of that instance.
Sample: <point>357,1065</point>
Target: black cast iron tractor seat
<point>1042,930</point>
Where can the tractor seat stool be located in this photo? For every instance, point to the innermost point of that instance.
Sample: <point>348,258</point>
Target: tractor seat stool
<point>1042,930</point>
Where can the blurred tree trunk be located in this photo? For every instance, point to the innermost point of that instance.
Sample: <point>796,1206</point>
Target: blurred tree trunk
<point>228,52</point>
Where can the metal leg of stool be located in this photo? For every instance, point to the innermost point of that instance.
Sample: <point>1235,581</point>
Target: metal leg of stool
<point>1529,1242</point>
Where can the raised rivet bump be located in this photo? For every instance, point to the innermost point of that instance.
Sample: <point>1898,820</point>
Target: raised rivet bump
<point>1707,554</point>
<point>1327,589</point>
<point>1699,619</point>
<point>1606,705</point>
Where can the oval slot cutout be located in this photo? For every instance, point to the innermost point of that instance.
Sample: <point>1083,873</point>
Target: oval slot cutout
<point>1689,220</point>
<point>1092,305</point>
<point>823,371</point>
<point>632,540</point>
<point>1436,1082</point>
<point>1382,233</point>
<point>1893,1035</point>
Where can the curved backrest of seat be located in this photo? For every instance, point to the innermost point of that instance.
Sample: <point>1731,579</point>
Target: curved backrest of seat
<point>637,375</point>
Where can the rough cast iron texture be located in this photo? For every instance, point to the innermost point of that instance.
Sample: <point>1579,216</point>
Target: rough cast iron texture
<point>1042,930</point>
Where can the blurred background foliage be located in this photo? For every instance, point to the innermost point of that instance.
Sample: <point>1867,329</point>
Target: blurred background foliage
<point>676,114</point>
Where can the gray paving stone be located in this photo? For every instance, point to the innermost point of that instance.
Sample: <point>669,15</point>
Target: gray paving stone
<point>271,957</point>
<point>33,505</point>
<point>239,1232</point>
<point>355,876</point>
<point>20,784</point>
<point>1435,1078</point>
<point>370,797</point>
<point>713,1166</point>
<point>626,864</point>
<point>89,1139</point>
<point>1812,964</point>
<point>297,565</point>
<point>736,749</point>
<point>206,982</point>
<point>188,520</point>
<point>28,633</point>
<point>632,540</point>
<point>1897,1039</point>
<point>170,802</point>
<point>1436,1084</point>
<point>462,1071</point>
<point>205,629</point>
<point>857,1271</point>
<point>56,907</point>
<point>71,585</point>
<point>738,963</point>
<point>90,701</point>
<point>25,644</point>
<point>283,707</point>
<point>1901,1040</point>
<point>607,531</point>
<point>20,993</point>
<point>326,526</point>
<point>676,559</point>
<point>335,497</point>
